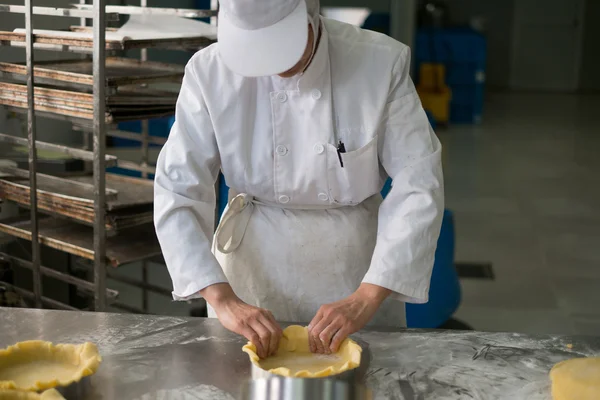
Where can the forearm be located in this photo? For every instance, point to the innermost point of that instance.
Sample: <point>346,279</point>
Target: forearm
<point>218,294</point>
<point>373,293</point>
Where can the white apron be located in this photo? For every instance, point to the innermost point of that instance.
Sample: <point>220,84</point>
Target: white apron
<point>292,261</point>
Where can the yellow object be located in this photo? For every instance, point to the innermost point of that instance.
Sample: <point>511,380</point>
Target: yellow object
<point>437,103</point>
<point>434,93</point>
<point>294,358</point>
<point>576,379</point>
<point>432,77</point>
<point>51,394</point>
<point>36,365</point>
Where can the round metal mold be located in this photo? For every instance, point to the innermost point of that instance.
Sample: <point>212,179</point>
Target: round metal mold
<point>356,375</point>
<point>280,388</point>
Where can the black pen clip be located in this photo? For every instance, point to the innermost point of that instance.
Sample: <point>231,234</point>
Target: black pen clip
<point>341,149</point>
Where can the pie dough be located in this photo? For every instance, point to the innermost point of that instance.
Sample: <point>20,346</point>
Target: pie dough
<point>576,379</point>
<point>51,394</point>
<point>294,358</point>
<point>36,365</point>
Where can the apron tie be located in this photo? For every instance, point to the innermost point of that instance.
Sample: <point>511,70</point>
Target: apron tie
<point>231,230</point>
<point>233,224</point>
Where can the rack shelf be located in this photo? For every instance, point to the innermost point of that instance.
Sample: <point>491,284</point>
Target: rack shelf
<point>129,246</point>
<point>130,206</point>
<point>79,154</point>
<point>82,12</point>
<point>119,72</point>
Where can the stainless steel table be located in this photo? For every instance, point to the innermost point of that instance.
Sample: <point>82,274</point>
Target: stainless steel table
<point>151,357</point>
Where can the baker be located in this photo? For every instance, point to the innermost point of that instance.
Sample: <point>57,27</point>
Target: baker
<point>306,117</point>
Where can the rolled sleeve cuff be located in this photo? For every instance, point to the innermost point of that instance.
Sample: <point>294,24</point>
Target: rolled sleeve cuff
<point>406,292</point>
<point>192,290</point>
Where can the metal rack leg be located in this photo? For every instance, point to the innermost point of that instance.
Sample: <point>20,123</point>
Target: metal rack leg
<point>31,137</point>
<point>99,153</point>
<point>145,143</point>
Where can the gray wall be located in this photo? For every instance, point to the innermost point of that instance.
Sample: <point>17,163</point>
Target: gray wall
<point>498,15</point>
<point>589,77</point>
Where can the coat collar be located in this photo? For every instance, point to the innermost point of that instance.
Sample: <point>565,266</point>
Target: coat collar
<point>314,75</point>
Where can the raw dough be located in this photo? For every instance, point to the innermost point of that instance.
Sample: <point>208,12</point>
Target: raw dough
<point>294,359</point>
<point>35,365</point>
<point>51,394</point>
<point>576,379</point>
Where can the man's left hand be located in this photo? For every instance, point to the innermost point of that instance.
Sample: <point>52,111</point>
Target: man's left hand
<point>334,322</point>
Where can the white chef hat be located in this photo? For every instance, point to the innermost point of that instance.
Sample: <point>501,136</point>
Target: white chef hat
<point>264,37</point>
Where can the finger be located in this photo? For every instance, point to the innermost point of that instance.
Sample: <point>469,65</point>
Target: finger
<point>339,338</point>
<point>316,334</point>
<point>327,335</point>
<point>311,343</point>
<point>311,340</point>
<point>272,328</point>
<point>264,335</point>
<point>249,333</point>
<point>278,331</point>
<point>275,325</point>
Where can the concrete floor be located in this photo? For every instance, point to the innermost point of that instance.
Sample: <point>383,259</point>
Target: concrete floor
<point>524,188</point>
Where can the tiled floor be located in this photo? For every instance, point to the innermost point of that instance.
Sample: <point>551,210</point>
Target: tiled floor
<point>525,190</point>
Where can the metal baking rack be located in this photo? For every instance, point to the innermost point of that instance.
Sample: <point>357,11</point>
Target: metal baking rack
<point>103,219</point>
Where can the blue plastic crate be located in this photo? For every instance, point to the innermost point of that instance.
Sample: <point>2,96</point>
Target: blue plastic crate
<point>465,114</point>
<point>468,95</point>
<point>447,46</point>
<point>468,73</point>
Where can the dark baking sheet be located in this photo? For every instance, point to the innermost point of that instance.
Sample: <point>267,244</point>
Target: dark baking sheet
<point>128,246</point>
<point>119,72</point>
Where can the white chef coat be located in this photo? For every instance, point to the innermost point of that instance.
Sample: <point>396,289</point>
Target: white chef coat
<point>306,230</point>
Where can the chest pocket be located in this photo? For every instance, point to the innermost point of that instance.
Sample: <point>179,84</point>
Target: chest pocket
<point>358,179</point>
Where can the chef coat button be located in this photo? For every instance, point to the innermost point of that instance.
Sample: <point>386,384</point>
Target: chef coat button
<point>284,199</point>
<point>316,94</point>
<point>323,197</point>
<point>319,149</point>
<point>282,97</point>
<point>281,150</point>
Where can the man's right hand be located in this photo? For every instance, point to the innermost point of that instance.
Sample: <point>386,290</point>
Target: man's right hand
<point>255,324</point>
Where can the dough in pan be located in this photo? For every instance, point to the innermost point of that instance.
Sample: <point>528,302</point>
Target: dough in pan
<point>50,394</point>
<point>36,365</point>
<point>294,359</point>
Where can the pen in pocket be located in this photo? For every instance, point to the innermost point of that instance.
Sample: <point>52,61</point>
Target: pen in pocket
<point>341,149</point>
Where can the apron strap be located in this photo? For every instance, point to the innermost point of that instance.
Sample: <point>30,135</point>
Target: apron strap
<point>234,221</point>
<point>231,229</point>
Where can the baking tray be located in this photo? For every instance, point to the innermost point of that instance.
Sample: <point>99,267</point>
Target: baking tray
<point>128,246</point>
<point>118,71</point>
<point>127,95</point>
<point>84,118</point>
<point>130,103</point>
<point>131,207</point>
<point>56,40</point>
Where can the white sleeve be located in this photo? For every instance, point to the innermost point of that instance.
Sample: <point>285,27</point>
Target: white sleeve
<point>411,215</point>
<point>184,194</point>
